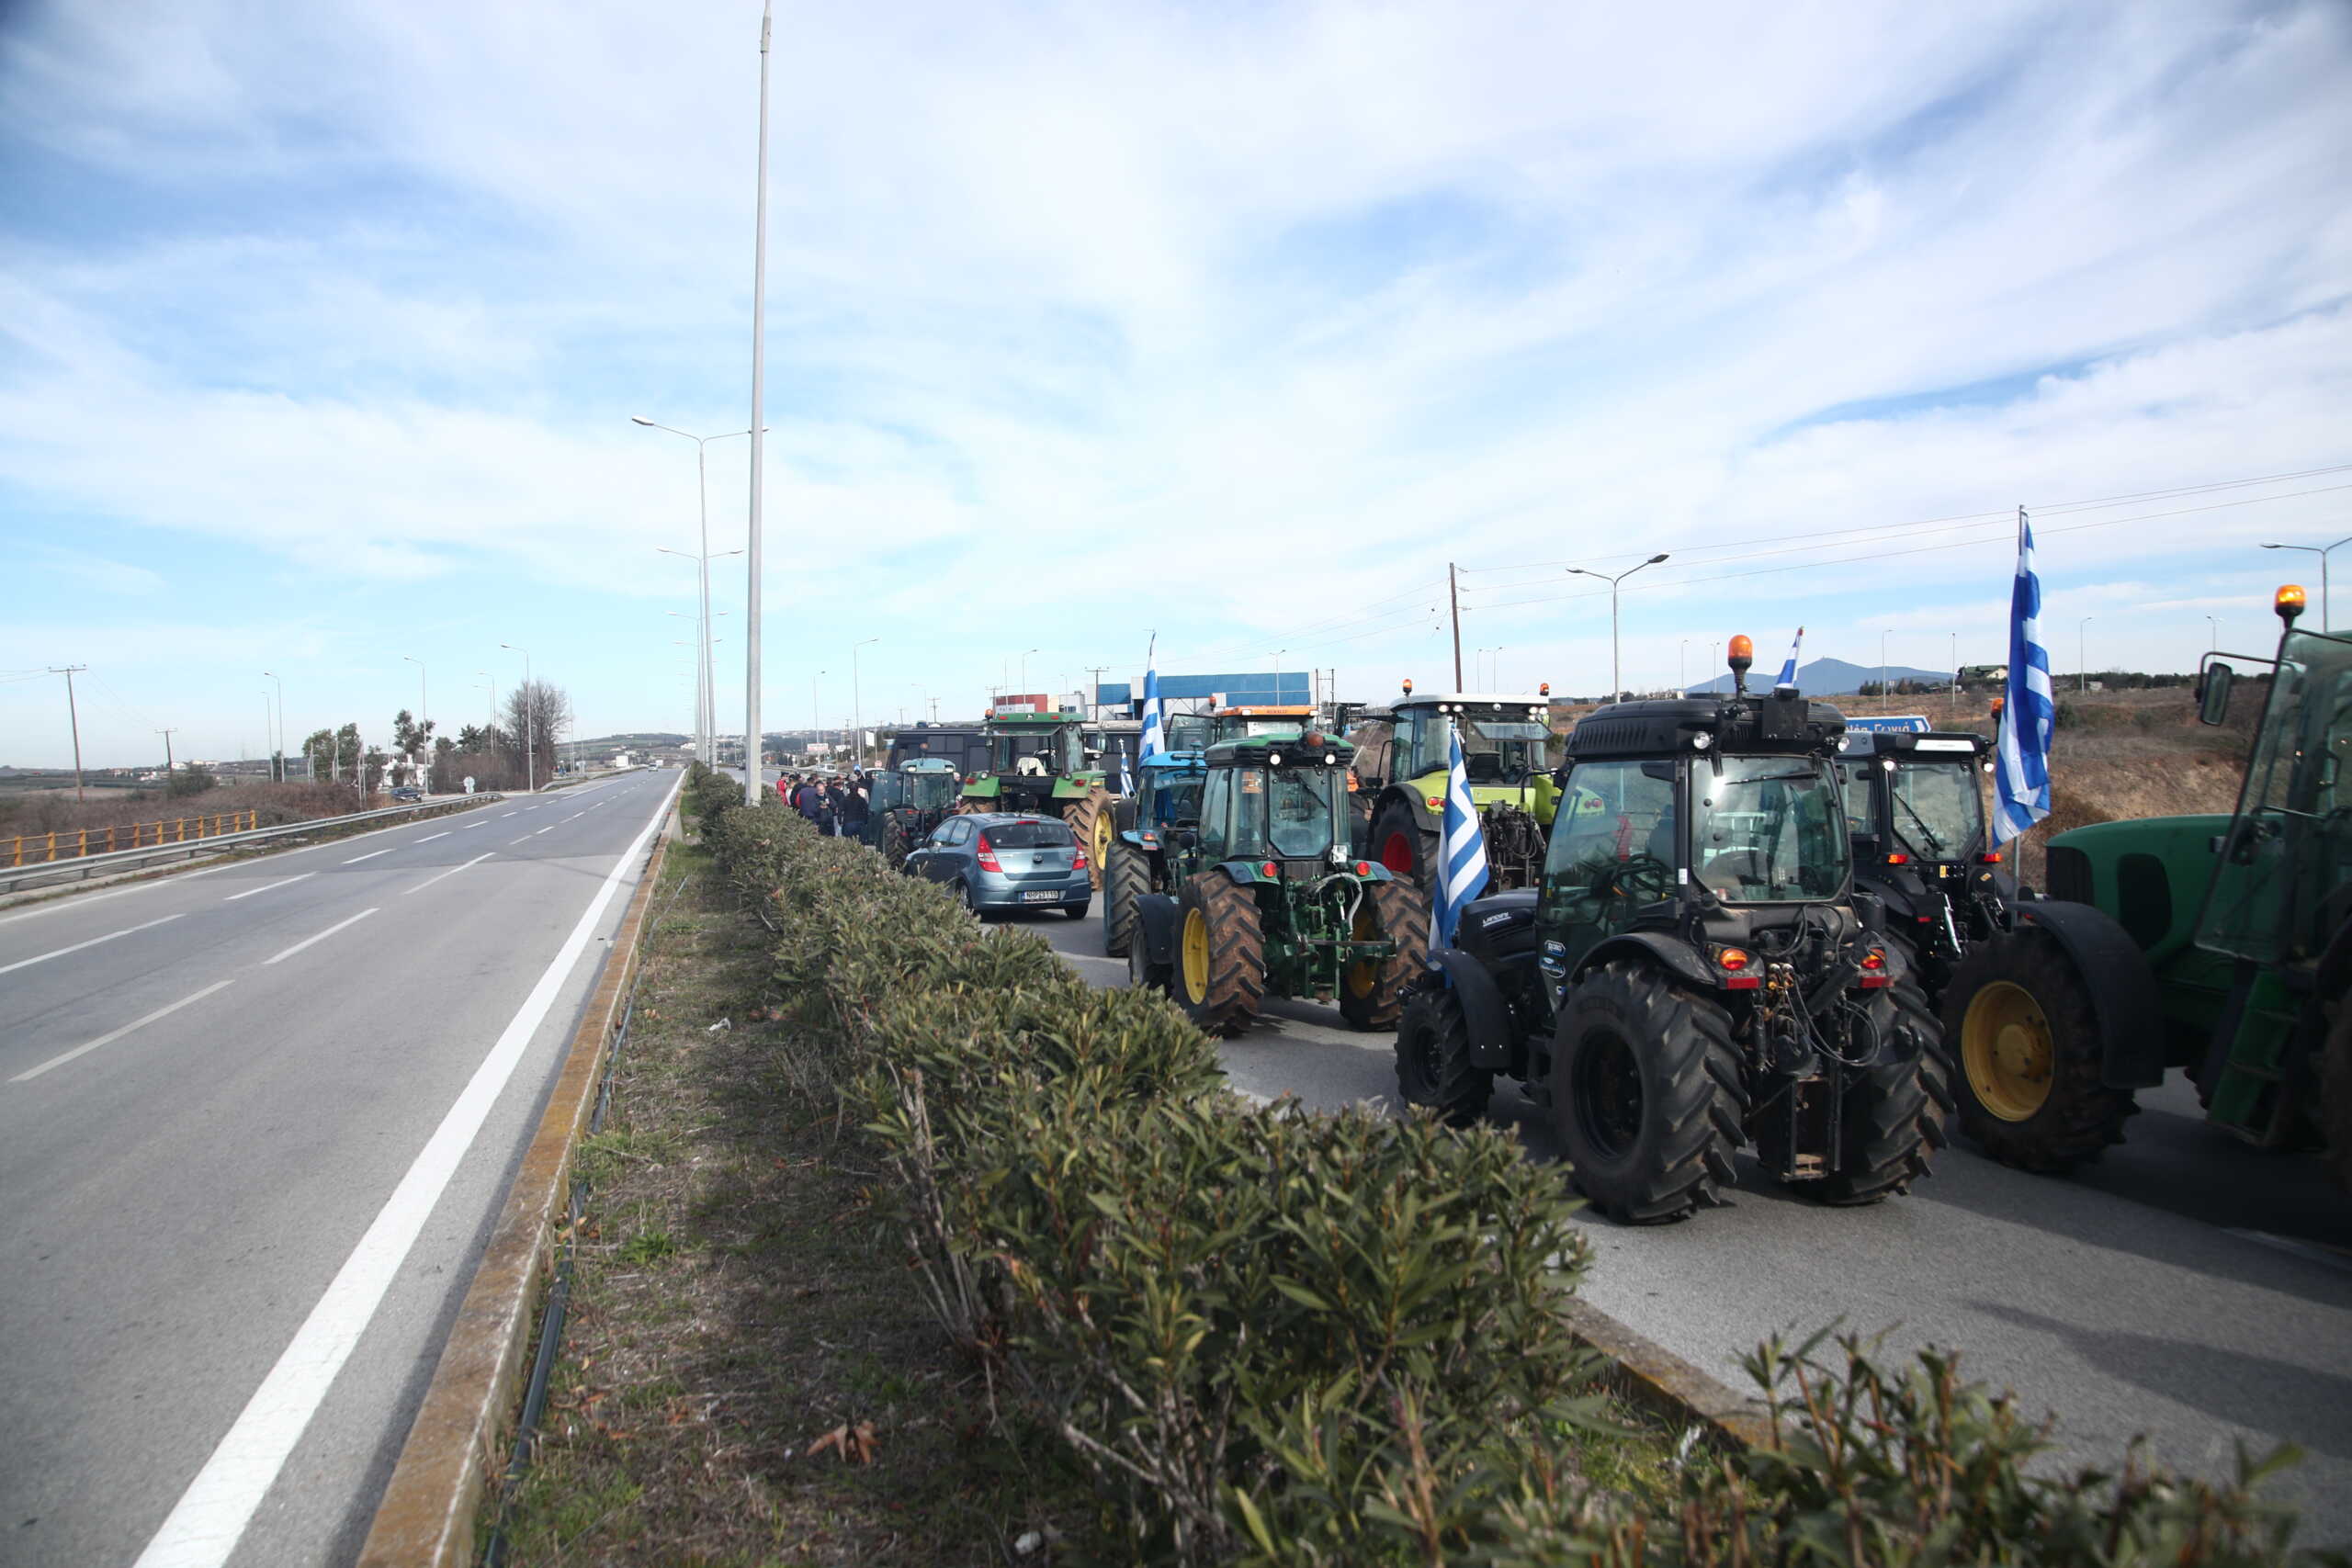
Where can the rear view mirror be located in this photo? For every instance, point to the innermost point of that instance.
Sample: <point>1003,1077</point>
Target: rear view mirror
<point>2213,698</point>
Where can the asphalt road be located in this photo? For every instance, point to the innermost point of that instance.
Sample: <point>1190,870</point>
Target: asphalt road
<point>2187,1287</point>
<point>256,1123</point>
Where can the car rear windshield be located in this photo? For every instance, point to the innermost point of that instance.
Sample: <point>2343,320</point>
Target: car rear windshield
<point>1028,836</point>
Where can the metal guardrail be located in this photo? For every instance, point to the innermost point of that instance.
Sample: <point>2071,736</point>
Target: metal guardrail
<point>82,867</point>
<point>76,842</point>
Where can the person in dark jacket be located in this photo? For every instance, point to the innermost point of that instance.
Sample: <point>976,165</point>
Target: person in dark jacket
<point>810,803</point>
<point>852,809</point>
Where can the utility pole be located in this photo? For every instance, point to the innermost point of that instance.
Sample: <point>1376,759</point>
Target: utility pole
<point>1094,689</point>
<point>753,788</point>
<point>1453,600</point>
<point>167,753</point>
<point>73,716</point>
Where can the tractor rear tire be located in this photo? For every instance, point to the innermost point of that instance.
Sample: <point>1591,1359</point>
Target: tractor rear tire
<point>1220,955</point>
<point>1372,992</point>
<point>1399,842</point>
<point>1645,1094</point>
<point>2024,1040</point>
<point>1127,876</point>
<point>895,841</point>
<point>1894,1109</point>
<point>1089,823</point>
<point>2335,1096</point>
<point>1433,1064</point>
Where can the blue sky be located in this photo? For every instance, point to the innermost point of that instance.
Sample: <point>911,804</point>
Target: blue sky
<point>321,327</point>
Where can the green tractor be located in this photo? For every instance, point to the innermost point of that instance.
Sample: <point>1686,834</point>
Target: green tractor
<point>1265,897</point>
<point>1695,972</point>
<point>906,802</point>
<point>2219,944</point>
<point>1915,805</point>
<point>1507,751</point>
<point>1037,765</point>
<point>1166,800</point>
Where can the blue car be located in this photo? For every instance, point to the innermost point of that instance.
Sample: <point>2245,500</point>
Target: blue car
<point>1005,861</point>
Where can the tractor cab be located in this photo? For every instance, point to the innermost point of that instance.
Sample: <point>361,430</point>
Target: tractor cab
<point>1914,807</point>
<point>1264,895</point>
<point>1508,755</point>
<point>1037,763</point>
<point>1263,718</point>
<point>906,801</point>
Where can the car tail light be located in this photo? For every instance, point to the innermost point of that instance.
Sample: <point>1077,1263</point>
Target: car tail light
<point>1078,860</point>
<point>985,852</point>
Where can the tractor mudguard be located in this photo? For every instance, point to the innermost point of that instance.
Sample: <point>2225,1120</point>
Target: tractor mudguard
<point>1676,954</point>
<point>1157,911</point>
<point>1122,815</point>
<point>1484,1011</point>
<point>1431,822</point>
<point>2121,986</point>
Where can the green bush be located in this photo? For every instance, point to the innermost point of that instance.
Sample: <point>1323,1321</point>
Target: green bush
<point>1286,1339</point>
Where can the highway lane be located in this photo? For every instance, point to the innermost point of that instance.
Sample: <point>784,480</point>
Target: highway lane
<point>181,1199</point>
<point>2187,1287</point>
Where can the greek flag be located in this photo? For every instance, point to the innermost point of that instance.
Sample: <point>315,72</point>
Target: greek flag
<point>1788,680</point>
<point>1154,742</point>
<point>1462,848</point>
<point>2021,779</point>
<point>1121,782</point>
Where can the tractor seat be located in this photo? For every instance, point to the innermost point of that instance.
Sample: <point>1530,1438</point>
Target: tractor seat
<point>1501,925</point>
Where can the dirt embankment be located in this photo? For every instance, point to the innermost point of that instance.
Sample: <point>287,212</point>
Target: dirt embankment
<point>56,812</point>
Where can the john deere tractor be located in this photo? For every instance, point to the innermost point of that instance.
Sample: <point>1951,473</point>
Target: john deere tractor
<point>2218,944</point>
<point>1915,804</point>
<point>1507,750</point>
<point>1166,800</point>
<point>1695,972</point>
<point>1037,763</point>
<point>1265,896</point>
<point>907,801</point>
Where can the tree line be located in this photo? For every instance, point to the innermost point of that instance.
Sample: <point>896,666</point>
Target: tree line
<point>521,741</point>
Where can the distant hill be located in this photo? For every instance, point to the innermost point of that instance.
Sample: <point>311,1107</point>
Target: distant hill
<point>1824,677</point>
<point>637,739</point>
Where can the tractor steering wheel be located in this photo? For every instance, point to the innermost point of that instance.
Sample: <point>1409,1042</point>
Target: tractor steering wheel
<point>1644,878</point>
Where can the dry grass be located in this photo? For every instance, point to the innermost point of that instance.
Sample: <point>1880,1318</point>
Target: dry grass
<point>737,1297</point>
<point>56,812</point>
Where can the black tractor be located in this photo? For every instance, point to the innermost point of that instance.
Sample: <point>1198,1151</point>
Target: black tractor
<point>906,802</point>
<point>1694,973</point>
<point>1915,804</point>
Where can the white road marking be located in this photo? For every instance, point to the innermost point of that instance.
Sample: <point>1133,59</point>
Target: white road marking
<point>282,882</point>
<point>321,937</point>
<point>371,854</point>
<point>471,826</point>
<point>523,839</point>
<point>62,952</point>
<point>210,1517</point>
<point>59,1060</point>
<point>549,828</point>
<point>510,813</point>
<point>430,837</point>
<point>451,872</point>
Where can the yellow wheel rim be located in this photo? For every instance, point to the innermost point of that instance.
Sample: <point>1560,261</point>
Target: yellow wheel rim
<point>1103,826</point>
<point>1196,955</point>
<point>1363,976</point>
<point>2004,1049</point>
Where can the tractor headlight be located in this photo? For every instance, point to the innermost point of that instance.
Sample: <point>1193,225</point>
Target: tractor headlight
<point>1701,743</point>
<point>1273,759</point>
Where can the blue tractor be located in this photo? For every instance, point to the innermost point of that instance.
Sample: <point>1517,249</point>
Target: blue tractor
<point>1167,798</point>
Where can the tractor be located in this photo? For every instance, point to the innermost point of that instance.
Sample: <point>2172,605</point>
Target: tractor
<point>906,802</point>
<point>2218,944</point>
<point>1401,767</point>
<point>1915,804</point>
<point>1694,972</point>
<point>1265,897</point>
<point>1037,764</point>
<point>1167,798</point>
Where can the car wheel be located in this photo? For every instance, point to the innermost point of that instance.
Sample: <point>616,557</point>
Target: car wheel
<point>963,898</point>
<point>1077,911</point>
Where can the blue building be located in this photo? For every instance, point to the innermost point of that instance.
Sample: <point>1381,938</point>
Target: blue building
<point>1253,688</point>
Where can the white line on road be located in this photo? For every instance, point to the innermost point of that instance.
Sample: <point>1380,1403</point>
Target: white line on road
<point>282,882</point>
<point>321,937</point>
<point>371,854</point>
<point>510,813</point>
<point>451,872</point>
<point>210,1517</point>
<point>549,828</point>
<point>523,839</point>
<point>110,1038</point>
<point>471,826</point>
<point>430,837</point>
<point>60,952</point>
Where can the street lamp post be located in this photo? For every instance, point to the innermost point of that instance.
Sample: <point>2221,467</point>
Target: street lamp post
<point>1682,668</point>
<point>2214,646</point>
<point>1615,684</point>
<point>705,703</point>
<point>1882,665</point>
<point>2082,661</point>
<point>1025,670</point>
<point>278,756</point>
<point>856,701</point>
<point>424,717</point>
<point>530,776</point>
<point>2321,551</point>
<point>753,788</point>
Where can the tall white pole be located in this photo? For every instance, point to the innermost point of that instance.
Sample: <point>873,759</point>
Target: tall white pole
<point>753,786</point>
<point>705,700</point>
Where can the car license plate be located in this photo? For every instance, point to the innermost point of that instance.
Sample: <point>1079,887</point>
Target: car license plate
<point>1044,898</point>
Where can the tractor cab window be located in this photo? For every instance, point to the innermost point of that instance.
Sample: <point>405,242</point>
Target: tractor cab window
<point>927,791</point>
<point>1186,731</point>
<point>1767,830</point>
<point>1856,779</point>
<point>2276,893</point>
<point>1176,800</point>
<point>1284,812</point>
<point>1938,810</point>
<point>1216,814</point>
<point>1614,849</point>
<point>1499,746</point>
<point>886,791</point>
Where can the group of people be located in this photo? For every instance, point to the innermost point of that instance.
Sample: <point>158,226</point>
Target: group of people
<point>837,805</point>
